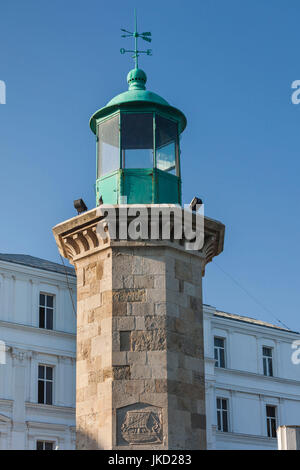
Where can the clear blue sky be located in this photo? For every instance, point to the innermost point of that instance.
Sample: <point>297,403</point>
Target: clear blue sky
<point>228,65</point>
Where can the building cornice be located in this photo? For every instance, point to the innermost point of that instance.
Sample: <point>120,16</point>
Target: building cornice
<point>50,408</point>
<point>257,330</point>
<point>36,330</point>
<point>250,438</point>
<point>24,271</point>
<point>46,426</point>
<point>79,237</point>
<point>262,377</point>
<point>255,391</point>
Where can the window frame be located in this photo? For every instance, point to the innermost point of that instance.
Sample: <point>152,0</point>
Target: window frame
<point>43,441</point>
<point>220,412</point>
<point>45,307</point>
<point>268,362</point>
<point>218,348</point>
<point>270,420</point>
<point>45,380</point>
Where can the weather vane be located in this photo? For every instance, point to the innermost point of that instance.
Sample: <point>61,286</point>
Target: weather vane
<point>136,35</point>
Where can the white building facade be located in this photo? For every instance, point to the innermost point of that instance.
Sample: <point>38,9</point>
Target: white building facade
<point>252,383</point>
<point>252,372</point>
<point>37,369</point>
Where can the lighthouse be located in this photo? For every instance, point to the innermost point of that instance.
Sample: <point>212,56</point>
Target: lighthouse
<point>140,380</point>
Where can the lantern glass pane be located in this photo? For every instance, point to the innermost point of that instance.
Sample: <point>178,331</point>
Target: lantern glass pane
<point>137,140</point>
<point>166,139</point>
<point>108,146</point>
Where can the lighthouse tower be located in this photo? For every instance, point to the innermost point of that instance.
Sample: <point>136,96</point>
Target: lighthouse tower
<point>140,366</point>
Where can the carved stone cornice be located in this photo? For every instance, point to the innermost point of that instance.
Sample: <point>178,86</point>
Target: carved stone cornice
<point>79,237</point>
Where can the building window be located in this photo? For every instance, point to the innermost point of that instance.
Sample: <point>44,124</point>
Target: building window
<point>219,346</point>
<point>271,420</point>
<point>45,385</point>
<point>44,445</point>
<point>46,311</point>
<point>222,414</point>
<point>267,361</point>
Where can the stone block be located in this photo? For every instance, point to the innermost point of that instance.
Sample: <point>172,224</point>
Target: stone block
<point>195,303</point>
<point>141,309</point>
<point>154,322</point>
<point>83,349</point>
<point>152,340</point>
<point>128,282</point>
<point>153,266</point>
<point>183,270</point>
<point>161,385</point>
<point>119,358</point>
<point>156,295</point>
<point>156,357</point>
<point>134,387</point>
<point>140,323</point>
<point>159,282</point>
<point>120,309</point>
<point>155,399</point>
<point>159,371</point>
<point>198,420</point>
<point>100,345</point>
<point>136,357</point>
<point>143,281</point>
<point>139,371</point>
<point>121,372</point>
<point>126,323</point>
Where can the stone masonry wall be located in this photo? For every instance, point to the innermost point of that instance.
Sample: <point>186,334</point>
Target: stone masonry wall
<point>140,372</point>
<point>94,357</point>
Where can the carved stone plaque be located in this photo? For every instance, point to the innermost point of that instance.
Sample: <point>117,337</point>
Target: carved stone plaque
<point>139,424</point>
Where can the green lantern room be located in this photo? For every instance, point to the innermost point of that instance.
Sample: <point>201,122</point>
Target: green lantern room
<point>138,150</point>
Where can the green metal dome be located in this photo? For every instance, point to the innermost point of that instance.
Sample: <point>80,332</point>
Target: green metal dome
<point>137,79</point>
<point>138,96</point>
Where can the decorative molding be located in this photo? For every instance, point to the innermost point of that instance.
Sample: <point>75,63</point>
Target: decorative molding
<point>19,354</point>
<point>31,425</point>
<point>78,237</point>
<point>263,377</point>
<point>5,419</point>
<point>24,273</point>
<point>209,248</point>
<point>247,438</point>
<point>35,329</point>
<point>253,328</point>
<point>51,409</point>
